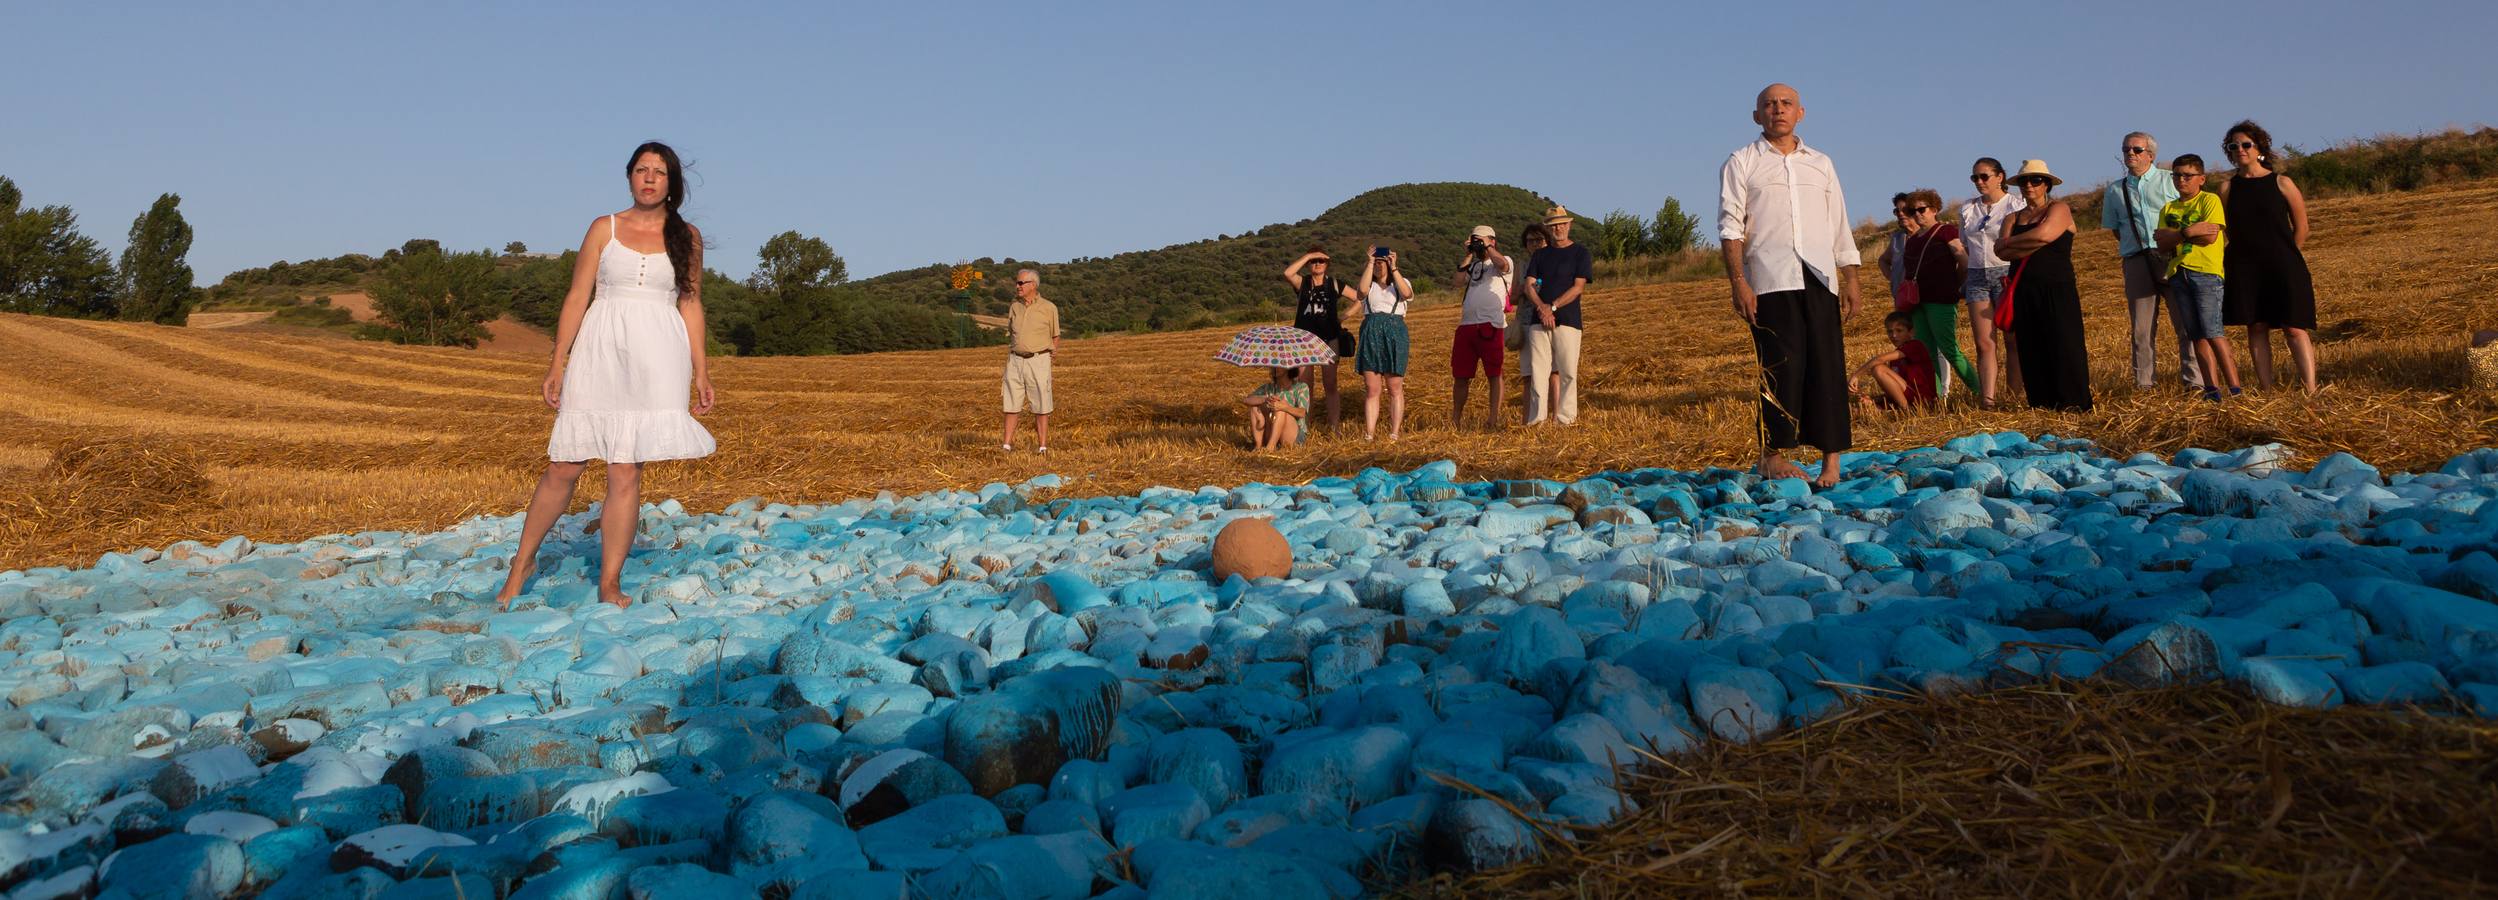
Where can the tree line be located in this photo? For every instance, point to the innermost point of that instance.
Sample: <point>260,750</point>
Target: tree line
<point>48,268</point>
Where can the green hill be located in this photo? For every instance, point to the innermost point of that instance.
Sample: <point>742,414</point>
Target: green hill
<point>1234,278</point>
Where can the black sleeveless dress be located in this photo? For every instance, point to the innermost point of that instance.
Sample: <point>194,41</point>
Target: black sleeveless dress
<point>2047,327</point>
<point>2264,280</point>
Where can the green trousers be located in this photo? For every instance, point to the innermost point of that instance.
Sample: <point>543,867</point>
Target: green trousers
<point>1937,325</point>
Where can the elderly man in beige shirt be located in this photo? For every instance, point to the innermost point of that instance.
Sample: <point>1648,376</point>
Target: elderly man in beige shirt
<point>1031,340</point>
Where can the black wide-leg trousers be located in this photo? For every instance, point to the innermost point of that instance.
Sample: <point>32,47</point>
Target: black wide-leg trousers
<point>1803,368</point>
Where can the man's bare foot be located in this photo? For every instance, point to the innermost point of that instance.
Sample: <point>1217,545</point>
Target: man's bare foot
<point>1778,467</point>
<point>613,596</point>
<point>513,586</point>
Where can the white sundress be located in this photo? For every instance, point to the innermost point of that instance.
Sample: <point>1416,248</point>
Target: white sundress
<point>628,384</point>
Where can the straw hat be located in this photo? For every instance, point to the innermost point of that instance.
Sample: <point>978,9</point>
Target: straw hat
<point>1558,215</point>
<point>2036,167</point>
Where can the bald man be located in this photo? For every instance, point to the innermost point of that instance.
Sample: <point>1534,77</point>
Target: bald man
<point>1784,226</point>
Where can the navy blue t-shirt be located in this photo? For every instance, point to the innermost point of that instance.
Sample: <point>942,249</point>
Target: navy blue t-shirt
<point>1554,268</point>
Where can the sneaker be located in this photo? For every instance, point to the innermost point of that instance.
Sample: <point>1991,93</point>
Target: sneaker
<point>1006,448</point>
<point>1044,448</point>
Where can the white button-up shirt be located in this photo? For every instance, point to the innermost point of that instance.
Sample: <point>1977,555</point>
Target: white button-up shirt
<point>1788,211</point>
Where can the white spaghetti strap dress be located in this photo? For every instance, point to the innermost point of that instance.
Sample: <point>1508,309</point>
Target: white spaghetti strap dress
<point>629,380</point>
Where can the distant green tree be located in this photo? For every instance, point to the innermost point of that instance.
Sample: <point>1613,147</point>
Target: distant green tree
<point>1673,231</point>
<point>515,248</point>
<point>427,296</point>
<point>155,279</point>
<point>1621,235</point>
<point>46,266</point>
<point>420,245</point>
<point>791,262</point>
<point>533,291</point>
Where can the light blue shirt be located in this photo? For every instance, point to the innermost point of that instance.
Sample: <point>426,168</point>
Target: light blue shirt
<point>2152,190</point>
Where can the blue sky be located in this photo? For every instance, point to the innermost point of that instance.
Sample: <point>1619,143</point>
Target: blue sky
<point>906,134</point>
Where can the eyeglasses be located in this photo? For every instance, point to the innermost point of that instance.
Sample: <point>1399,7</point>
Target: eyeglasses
<point>2181,176</point>
<point>2237,145</point>
<point>2131,151</point>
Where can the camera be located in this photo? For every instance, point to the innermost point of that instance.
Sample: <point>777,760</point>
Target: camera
<point>1379,253</point>
<point>1474,245</point>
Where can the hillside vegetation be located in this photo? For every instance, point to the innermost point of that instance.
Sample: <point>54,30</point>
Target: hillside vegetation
<point>1232,278</point>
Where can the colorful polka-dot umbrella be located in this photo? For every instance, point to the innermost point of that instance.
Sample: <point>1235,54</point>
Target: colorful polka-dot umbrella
<point>1276,345</point>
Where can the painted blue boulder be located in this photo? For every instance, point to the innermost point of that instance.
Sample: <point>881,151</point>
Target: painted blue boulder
<point>1061,866</point>
<point>2401,682</point>
<point>1153,811</point>
<point>787,838</point>
<point>1205,759</point>
<point>1023,732</point>
<point>2290,682</point>
<point>1735,703</point>
<point>1353,767</point>
<point>679,880</point>
<point>175,866</point>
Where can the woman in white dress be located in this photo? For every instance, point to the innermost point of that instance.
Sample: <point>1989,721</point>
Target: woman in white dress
<point>626,359</point>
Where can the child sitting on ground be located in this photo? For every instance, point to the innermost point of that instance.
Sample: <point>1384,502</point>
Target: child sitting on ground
<point>1905,373</point>
<point>1276,409</point>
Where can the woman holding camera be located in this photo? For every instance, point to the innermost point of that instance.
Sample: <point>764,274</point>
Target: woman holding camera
<point>1381,355</point>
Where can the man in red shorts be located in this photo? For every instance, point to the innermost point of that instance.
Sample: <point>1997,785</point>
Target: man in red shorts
<point>1484,280</point>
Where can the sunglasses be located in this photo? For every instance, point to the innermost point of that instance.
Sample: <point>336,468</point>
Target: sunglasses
<point>2237,145</point>
<point>2033,181</point>
<point>2133,151</point>
<point>1908,210</point>
<point>2181,176</point>
<point>1981,177</point>
<point>1021,281</point>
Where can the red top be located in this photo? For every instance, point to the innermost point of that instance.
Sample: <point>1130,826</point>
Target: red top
<point>1927,258</point>
<point>1916,366</point>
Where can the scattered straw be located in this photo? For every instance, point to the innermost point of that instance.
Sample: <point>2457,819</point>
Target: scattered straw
<point>2059,790</point>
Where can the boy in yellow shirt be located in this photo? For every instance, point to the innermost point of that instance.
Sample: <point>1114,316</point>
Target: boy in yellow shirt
<point>2194,230</point>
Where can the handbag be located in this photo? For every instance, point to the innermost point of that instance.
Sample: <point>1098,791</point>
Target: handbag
<point>2003,307</point>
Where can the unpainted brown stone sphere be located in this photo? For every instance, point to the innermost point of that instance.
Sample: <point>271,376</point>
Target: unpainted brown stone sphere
<point>1251,549</point>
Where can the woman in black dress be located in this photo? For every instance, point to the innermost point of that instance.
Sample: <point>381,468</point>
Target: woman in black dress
<point>2046,304</point>
<point>2266,285</point>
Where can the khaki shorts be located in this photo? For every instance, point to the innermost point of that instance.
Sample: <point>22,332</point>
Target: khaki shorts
<point>1027,384</point>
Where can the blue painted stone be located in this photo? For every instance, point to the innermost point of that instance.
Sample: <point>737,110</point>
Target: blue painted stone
<point>682,880</point>
<point>1473,833</point>
<point>2290,682</point>
<point>1054,816</point>
<point>1736,703</point>
<point>2393,683</point>
<point>1354,767</point>
<point>855,886</point>
<point>1055,867</point>
<point>443,886</point>
<point>773,834</point>
<point>1213,874</point>
<point>1154,811</point>
<point>1029,727</point>
<point>893,781</point>
<point>1068,592</point>
<point>665,818</point>
<point>175,866</point>
<point>1205,759</point>
<point>927,836</point>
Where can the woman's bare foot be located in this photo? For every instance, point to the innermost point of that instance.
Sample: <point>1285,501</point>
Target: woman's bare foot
<point>513,586</point>
<point>613,596</point>
<point>1774,467</point>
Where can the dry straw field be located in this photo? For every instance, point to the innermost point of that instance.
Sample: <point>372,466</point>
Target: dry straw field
<point>130,435</point>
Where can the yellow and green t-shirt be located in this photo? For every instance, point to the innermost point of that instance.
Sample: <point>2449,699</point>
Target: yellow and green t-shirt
<point>2203,207</point>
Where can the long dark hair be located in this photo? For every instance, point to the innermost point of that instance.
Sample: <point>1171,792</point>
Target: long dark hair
<point>2262,139</point>
<point>677,236</point>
